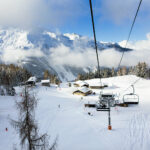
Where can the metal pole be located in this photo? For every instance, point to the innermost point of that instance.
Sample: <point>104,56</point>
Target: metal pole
<point>133,89</point>
<point>109,117</point>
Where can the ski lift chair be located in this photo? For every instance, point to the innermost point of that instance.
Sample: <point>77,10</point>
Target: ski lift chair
<point>131,98</point>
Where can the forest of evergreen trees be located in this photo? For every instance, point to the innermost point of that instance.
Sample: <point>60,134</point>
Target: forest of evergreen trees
<point>140,70</point>
<point>10,76</point>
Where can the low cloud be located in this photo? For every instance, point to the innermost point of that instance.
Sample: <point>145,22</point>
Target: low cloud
<point>141,51</point>
<point>63,55</point>
<point>17,55</point>
<point>138,45</point>
<point>78,55</point>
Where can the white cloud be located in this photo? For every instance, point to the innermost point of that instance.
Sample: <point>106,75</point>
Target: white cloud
<point>13,56</point>
<point>63,55</point>
<point>138,45</point>
<point>141,51</point>
<point>119,10</point>
<point>78,57</point>
<point>29,13</point>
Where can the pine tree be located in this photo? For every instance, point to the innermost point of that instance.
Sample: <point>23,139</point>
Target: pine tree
<point>27,127</point>
<point>46,74</point>
<point>113,72</point>
<point>79,77</point>
<point>124,71</point>
<point>138,69</point>
<point>144,70</point>
<point>141,70</point>
<point>119,72</point>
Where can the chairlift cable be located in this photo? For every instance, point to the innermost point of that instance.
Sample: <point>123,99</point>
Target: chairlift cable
<point>128,41</point>
<point>130,33</point>
<point>131,85</point>
<point>95,42</point>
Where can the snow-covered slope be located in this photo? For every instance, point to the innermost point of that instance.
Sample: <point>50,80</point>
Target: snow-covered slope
<point>59,53</point>
<point>76,130</point>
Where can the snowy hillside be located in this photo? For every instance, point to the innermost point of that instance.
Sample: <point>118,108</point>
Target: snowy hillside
<point>76,130</point>
<point>59,53</point>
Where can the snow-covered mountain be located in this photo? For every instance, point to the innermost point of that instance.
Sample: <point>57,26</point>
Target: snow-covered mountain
<point>62,54</point>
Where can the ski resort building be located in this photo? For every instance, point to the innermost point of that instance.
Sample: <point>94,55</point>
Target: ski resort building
<point>31,81</point>
<point>81,84</point>
<point>45,82</point>
<point>97,87</point>
<point>93,84</point>
<point>82,91</point>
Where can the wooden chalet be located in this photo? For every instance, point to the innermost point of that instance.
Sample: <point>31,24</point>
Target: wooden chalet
<point>82,91</point>
<point>31,81</point>
<point>81,84</point>
<point>97,85</point>
<point>45,82</point>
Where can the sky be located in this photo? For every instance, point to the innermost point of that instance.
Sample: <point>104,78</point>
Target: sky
<point>113,18</point>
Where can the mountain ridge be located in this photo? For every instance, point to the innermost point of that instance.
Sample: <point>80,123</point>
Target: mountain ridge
<point>44,50</point>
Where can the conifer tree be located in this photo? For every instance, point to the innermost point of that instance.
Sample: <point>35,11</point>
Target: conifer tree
<point>27,127</point>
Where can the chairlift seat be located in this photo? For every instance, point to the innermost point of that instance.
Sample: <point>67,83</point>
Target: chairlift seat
<point>131,102</point>
<point>131,98</point>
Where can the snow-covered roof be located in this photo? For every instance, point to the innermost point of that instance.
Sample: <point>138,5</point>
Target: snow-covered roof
<point>32,79</point>
<point>81,83</point>
<point>45,81</point>
<point>83,89</point>
<point>95,82</point>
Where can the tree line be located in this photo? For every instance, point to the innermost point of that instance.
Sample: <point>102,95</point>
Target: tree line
<point>140,70</point>
<point>10,76</point>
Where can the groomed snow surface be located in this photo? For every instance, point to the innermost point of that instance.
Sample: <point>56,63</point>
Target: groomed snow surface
<point>75,129</point>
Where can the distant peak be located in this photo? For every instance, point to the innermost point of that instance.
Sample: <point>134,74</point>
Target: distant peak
<point>51,34</point>
<point>72,36</point>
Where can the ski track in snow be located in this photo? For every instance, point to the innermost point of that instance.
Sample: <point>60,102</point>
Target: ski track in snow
<point>138,136</point>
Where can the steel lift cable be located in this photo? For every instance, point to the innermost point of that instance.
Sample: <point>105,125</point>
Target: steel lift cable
<point>123,91</point>
<point>130,32</point>
<point>133,23</point>
<point>95,41</point>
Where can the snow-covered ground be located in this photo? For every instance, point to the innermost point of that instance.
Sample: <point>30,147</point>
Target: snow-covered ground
<point>75,129</point>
